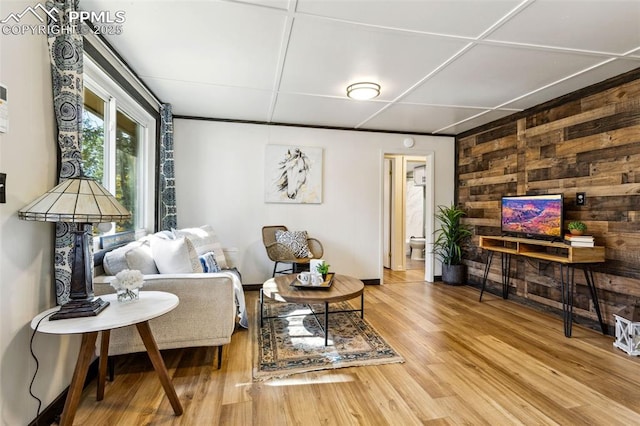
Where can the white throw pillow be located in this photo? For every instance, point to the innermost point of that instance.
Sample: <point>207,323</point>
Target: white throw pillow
<point>204,240</point>
<point>141,259</point>
<point>175,256</point>
<point>115,260</point>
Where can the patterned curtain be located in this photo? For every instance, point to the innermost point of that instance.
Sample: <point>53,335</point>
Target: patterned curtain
<point>65,52</point>
<point>167,217</point>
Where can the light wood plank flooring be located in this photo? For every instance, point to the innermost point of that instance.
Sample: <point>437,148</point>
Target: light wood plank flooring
<point>492,363</point>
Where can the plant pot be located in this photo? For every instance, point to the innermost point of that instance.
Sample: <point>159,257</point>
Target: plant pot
<point>454,274</point>
<point>575,232</point>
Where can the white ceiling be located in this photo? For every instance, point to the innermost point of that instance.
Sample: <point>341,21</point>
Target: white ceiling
<point>444,66</point>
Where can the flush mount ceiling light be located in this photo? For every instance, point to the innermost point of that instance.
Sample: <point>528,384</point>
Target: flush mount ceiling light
<point>363,91</point>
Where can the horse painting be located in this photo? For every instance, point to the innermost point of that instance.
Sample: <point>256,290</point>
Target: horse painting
<point>293,174</point>
<point>294,171</point>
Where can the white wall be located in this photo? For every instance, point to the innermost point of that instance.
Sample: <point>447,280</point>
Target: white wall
<point>28,156</point>
<point>220,181</point>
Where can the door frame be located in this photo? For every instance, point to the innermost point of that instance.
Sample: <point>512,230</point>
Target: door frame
<point>429,208</point>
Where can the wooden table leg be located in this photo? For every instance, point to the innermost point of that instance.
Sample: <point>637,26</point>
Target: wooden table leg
<point>158,365</point>
<point>102,365</point>
<point>79,375</point>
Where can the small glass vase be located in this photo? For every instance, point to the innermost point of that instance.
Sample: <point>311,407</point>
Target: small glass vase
<point>128,295</point>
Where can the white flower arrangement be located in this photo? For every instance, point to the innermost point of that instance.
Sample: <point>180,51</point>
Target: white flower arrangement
<point>126,284</point>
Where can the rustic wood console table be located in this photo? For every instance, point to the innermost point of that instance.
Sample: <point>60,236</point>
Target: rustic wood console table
<point>566,256</point>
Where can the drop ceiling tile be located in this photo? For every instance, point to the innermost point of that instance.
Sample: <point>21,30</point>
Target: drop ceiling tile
<point>487,76</point>
<point>323,111</point>
<point>202,100</point>
<point>221,59</point>
<point>437,16</point>
<point>277,4</point>
<point>210,42</point>
<point>324,57</point>
<point>611,26</point>
<point>578,82</point>
<point>418,118</point>
<point>474,122</point>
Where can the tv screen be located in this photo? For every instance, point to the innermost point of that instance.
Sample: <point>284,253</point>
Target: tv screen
<point>533,215</point>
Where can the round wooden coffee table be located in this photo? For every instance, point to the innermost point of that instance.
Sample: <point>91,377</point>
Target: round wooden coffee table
<point>343,288</point>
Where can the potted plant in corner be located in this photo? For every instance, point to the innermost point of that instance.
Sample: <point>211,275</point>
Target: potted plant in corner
<point>449,240</point>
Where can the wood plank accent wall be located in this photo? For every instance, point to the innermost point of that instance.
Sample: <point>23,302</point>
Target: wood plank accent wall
<point>587,141</point>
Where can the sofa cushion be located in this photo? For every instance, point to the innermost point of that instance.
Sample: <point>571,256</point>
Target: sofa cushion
<point>141,259</point>
<point>204,240</point>
<point>175,256</point>
<point>116,260</point>
<point>209,264</point>
<point>296,241</point>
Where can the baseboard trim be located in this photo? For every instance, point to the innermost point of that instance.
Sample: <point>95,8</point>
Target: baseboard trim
<point>52,413</point>
<point>251,287</point>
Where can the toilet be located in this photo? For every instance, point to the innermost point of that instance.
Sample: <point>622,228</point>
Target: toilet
<point>417,247</point>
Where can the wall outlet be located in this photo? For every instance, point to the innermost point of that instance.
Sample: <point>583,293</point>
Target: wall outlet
<point>581,198</point>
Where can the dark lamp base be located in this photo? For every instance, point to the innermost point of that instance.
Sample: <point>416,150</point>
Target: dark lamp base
<point>80,308</point>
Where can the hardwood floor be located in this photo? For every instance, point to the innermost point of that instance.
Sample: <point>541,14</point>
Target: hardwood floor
<point>493,363</point>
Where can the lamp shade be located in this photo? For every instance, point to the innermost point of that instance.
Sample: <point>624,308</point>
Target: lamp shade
<point>78,199</point>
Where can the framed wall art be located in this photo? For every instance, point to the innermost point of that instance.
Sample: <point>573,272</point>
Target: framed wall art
<point>293,174</point>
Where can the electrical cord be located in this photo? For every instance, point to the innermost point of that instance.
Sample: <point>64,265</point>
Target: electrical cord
<point>33,355</point>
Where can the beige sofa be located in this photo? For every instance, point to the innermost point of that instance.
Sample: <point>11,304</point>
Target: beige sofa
<point>210,306</point>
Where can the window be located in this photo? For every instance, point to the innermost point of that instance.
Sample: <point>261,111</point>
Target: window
<point>118,147</point>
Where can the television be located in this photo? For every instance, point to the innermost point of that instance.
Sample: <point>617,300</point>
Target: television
<point>532,216</point>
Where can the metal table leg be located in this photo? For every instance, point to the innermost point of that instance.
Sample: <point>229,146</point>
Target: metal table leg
<point>326,323</point>
<point>567,284</point>
<point>588,275</point>
<point>486,273</point>
<point>506,268</point>
<point>261,308</point>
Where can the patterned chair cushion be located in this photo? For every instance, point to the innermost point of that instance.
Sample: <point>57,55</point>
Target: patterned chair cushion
<point>296,241</point>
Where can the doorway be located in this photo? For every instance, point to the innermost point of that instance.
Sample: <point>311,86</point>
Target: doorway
<point>408,213</point>
<point>414,214</point>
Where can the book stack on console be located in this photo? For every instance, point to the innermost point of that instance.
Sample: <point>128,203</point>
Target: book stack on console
<point>579,240</point>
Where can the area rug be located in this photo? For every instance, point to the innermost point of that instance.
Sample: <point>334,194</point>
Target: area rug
<point>295,344</point>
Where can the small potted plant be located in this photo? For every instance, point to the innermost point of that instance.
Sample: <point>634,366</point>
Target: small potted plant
<point>576,227</point>
<point>127,284</point>
<point>323,269</point>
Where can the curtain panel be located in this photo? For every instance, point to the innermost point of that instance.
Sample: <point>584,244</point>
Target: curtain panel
<point>167,212</point>
<point>65,53</point>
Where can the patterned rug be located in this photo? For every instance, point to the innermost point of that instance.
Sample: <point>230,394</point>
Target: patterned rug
<point>295,344</point>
